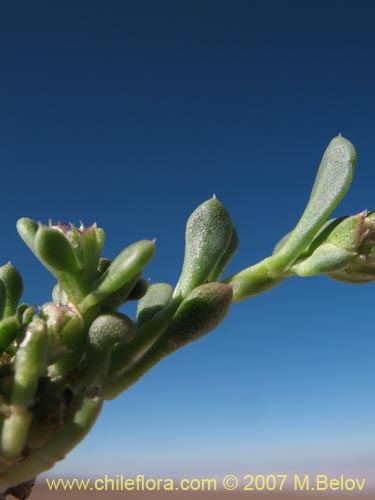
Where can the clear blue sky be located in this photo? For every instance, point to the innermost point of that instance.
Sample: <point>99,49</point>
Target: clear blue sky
<point>131,114</point>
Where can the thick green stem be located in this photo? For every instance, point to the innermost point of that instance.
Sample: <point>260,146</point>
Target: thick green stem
<point>200,312</point>
<point>41,459</point>
<point>254,280</point>
<point>120,381</point>
<point>30,365</point>
<point>124,355</point>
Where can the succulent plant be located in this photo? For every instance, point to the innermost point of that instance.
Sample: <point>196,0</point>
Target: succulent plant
<point>60,361</point>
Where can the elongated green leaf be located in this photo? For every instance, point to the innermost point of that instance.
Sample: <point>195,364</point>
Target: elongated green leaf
<point>208,235</point>
<point>12,285</point>
<point>123,269</point>
<point>332,182</point>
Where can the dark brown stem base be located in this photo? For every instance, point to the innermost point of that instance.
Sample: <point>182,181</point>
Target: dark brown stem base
<point>21,491</point>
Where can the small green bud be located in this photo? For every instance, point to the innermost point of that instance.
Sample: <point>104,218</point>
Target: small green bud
<point>139,290</point>
<point>55,250</point>
<point>361,268</point>
<point>13,287</point>
<point>71,254</point>
<point>109,329</point>
<point>337,251</point>
<point>208,235</point>
<point>157,297</point>
<point>87,243</point>
<point>27,312</point>
<point>57,316</point>
<point>21,309</point>
<point>348,234</point>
